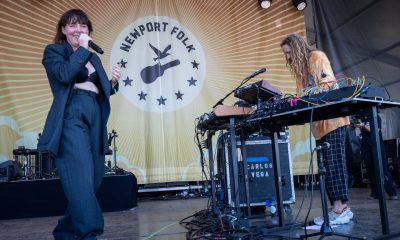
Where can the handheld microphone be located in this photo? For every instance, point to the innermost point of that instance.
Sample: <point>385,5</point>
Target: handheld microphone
<point>95,47</point>
<point>262,70</point>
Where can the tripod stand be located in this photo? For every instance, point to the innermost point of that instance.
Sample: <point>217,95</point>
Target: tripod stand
<point>326,229</point>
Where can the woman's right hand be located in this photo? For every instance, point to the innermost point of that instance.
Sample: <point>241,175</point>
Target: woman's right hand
<point>84,40</point>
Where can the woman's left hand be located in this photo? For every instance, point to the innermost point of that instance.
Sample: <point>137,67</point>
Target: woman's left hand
<point>116,74</point>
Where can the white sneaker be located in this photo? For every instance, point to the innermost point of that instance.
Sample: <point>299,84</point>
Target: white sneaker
<point>336,219</point>
<point>339,219</point>
<point>350,214</point>
<point>319,220</point>
<point>346,211</point>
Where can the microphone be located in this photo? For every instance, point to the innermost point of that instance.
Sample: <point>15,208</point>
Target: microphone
<point>262,70</point>
<point>322,146</point>
<point>95,47</point>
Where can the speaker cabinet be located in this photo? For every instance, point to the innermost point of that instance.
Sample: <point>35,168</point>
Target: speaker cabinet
<point>9,170</point>
<point>392,148</point>
<point>260,171</point>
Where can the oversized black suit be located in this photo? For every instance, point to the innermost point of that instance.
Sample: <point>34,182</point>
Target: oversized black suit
<point>62,66</point>
<point>75,134</point>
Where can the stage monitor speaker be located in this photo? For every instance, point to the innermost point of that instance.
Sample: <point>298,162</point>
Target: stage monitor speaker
<point>260,171</point>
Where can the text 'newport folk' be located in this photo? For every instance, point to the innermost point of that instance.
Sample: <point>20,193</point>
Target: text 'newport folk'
<point>163,27</point>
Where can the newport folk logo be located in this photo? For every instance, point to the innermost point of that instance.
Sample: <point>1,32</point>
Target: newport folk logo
<point>163,64</point>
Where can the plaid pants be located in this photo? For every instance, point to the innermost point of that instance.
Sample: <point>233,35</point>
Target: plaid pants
<point>334,159</point>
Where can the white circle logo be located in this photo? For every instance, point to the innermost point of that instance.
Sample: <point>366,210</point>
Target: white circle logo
<point>163,64</point>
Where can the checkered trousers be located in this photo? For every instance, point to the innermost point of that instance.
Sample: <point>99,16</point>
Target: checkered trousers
<point>335,165</point>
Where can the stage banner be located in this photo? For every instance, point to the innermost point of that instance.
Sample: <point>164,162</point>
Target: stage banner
<point>178,58</point>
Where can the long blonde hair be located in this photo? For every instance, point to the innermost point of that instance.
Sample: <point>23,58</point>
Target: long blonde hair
<point>299,59</point>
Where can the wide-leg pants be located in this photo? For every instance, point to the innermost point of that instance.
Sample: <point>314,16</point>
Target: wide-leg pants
<point>80,166</point>
<point>334,159</point>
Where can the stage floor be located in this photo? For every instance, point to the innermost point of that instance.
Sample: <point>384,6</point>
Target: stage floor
<point>159,219</point>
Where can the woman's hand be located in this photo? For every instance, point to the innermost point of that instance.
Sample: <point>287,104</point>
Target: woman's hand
<point>84,40</point>
<point>116,74</point>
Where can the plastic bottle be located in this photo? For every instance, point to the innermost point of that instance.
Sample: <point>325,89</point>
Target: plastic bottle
<point>270,205</point>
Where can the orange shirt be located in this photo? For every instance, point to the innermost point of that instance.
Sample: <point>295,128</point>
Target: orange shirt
<point>321,71</point>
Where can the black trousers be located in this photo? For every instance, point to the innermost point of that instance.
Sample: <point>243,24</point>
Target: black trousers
<point>80,166</point>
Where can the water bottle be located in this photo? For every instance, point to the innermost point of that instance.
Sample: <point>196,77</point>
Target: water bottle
<point>270,205</point>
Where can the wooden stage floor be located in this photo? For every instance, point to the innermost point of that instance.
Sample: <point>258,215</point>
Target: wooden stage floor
<point>159,219</point>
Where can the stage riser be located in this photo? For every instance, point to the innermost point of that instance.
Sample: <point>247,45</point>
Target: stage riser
<point>45,197</point>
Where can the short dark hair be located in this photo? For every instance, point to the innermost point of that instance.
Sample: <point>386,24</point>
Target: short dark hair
<point>71,16</point>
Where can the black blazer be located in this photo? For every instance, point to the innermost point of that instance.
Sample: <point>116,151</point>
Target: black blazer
<point>62,66</point>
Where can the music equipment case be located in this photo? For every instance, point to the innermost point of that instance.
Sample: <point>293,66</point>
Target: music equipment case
<point>260,172</point>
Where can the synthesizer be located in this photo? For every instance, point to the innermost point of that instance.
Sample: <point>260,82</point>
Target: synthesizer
<point>369,92</point>
<point>261,90</point>
<point>366,92</point>
<point>219,118</point>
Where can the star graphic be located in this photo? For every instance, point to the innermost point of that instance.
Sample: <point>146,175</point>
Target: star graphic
<point>192,81</point>
<point>128,81</point>
<point>179,95</point>
<point>142,96</point>
<point>195,64</point>
<point>161,100</point>
<point>123,63</point>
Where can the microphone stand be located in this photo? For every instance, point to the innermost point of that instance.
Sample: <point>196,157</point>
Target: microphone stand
<point>245,80</point>
<point>113,136</point>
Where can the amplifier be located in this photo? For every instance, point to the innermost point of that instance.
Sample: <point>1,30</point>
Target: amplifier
<point>260,171</point>
<point>392,148</point>
<point>9,170</point>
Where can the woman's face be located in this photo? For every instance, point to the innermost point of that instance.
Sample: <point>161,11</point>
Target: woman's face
<point>72,31</point>
<point>287,51</point>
